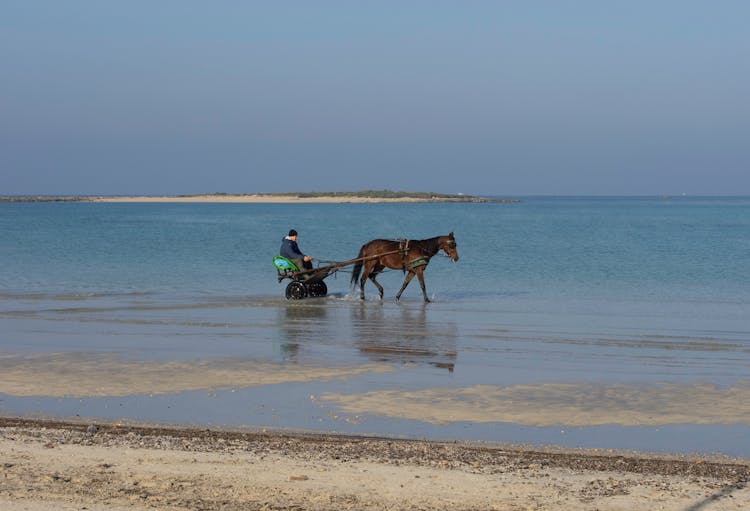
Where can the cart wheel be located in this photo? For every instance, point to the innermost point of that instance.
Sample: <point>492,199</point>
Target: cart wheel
<point>317,288</point>
<point>296,291</point>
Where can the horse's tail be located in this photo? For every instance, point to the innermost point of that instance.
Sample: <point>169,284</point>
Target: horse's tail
<point>357,268</point>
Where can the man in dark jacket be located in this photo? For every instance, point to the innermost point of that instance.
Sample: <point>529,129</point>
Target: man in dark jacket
<point>291,251</point>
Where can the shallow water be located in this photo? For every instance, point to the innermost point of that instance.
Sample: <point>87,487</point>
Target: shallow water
<point>587,322</point>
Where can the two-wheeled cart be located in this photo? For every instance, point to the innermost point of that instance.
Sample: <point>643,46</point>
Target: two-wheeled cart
<point>310,283</point>
<point>303,283</point>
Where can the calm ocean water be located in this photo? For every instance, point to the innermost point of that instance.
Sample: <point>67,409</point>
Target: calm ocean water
<point>635,294</point>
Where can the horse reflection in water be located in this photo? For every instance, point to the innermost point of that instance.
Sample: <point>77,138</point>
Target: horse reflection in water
<point>404,336</point>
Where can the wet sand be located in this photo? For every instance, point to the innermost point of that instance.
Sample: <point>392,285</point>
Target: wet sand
<point>106,375</point>
<point>91,375</point>
<point>551,403</point>
<point>66,465</point>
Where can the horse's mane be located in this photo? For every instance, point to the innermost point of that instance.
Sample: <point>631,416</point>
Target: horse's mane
<point>430,244</point>
<point>426,245</point>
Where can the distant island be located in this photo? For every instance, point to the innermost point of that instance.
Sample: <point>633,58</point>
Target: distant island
<point>286,197</point>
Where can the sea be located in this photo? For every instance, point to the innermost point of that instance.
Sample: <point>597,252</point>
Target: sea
<point>581,322</point>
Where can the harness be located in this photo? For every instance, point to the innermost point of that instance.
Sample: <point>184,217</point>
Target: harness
<point>403,248</point>
<point>420,261</point>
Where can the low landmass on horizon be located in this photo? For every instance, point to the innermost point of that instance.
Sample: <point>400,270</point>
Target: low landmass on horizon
<point>311,196</point>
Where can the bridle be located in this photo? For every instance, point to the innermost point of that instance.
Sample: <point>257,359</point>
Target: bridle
<point>449,245</point>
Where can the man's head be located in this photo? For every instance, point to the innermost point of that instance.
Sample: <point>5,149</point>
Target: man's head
<point>292,233</point>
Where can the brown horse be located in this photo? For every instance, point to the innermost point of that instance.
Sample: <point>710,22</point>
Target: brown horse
<point>411,256</point>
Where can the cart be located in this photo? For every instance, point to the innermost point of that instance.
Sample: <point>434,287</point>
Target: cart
<point>305,283</point>
<point>310,283</point>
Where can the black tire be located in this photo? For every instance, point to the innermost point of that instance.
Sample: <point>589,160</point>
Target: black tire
<point>317,288</point>
<point>296,291</point>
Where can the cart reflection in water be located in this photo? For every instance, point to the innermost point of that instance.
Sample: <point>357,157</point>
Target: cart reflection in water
<point>301,323</point>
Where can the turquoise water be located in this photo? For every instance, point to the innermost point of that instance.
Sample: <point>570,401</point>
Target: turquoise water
<point>606,291</point>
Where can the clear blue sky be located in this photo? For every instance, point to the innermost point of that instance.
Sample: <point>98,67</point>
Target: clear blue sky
<point>489,98</point>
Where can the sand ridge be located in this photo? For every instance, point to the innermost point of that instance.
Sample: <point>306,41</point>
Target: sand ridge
<point>108,375</point>
<point>558,403</point>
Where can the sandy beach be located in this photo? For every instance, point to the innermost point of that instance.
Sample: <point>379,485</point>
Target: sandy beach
<point>66,465</point>
<point>271,199</point>
<point>260,198</point>
<point>288,199</point>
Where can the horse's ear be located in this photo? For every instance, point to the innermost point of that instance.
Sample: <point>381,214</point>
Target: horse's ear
<point>451,235</point>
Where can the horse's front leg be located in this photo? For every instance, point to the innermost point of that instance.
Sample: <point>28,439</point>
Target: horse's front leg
<point>408,278</point>
<point>420,276</point>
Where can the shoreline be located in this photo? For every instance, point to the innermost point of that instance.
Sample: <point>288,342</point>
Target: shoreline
<point>261,198</point>
<point>49,464</point>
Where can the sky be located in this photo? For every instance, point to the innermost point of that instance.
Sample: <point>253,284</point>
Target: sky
<point>479,97</point>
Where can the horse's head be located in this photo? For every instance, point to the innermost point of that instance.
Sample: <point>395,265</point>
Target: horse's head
<point>448,245</point>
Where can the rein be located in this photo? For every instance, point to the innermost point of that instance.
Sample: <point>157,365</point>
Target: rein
<point>347,263</point>
<point>404,245</point>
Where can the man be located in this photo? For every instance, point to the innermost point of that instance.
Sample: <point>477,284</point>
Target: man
<point>291,251</point>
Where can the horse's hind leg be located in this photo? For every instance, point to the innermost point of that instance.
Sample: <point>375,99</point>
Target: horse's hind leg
<point>373,274</point>
<point>365,273</point>
<point>408,278</point>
